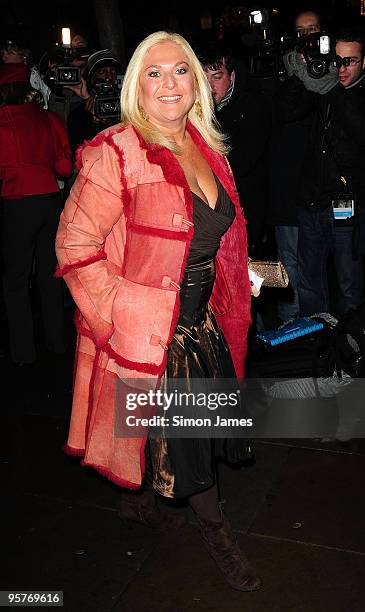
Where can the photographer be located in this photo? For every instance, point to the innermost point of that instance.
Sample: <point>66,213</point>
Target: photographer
<point>100,83</point>
<point>65,98</point>
<point>294,112</point>
<point>245,116</point>
<point>307,22</point>
<point>333,173</point>
<point>34,151</point>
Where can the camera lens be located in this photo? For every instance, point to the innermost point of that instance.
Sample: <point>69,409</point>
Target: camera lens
<point>108,108</point>
<point>66,75</point>
<point>317,68</point>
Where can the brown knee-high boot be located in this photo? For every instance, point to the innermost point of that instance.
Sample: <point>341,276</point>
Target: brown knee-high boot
<point>222,546</point>
<point>144,508</point>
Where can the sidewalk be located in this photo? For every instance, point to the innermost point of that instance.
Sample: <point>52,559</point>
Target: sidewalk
<point>298,512</point>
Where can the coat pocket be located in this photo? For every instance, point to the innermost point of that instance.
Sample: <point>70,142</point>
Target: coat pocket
<point>142,318</point>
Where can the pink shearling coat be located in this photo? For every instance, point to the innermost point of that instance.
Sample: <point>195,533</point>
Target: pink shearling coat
<point>122,247</point>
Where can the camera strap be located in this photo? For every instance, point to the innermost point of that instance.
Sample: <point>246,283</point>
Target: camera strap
<point>326,118</point>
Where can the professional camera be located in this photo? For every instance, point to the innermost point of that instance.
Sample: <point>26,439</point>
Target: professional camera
<point>319,51</point>
<point>63,72</point>
<point>65,75</point>
<point>104,82</point>
<point>267,59</point>
<point>107,99</point>
<point>65,62</point>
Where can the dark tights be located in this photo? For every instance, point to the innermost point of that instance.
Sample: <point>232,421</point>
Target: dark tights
<point>206,504</point>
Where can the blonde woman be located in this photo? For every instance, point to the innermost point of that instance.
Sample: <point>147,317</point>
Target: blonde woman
<point>152,244</point>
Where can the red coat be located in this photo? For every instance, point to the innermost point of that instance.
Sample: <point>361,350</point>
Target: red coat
<point>34,150</point>
<point>122,245</point>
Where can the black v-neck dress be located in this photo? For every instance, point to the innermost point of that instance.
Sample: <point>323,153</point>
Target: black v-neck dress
<point>184,466</point>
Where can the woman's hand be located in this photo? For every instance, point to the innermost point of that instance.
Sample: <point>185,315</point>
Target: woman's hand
<point>255,292</point>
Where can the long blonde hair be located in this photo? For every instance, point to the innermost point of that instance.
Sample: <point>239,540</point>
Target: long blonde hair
<point>201,114</point>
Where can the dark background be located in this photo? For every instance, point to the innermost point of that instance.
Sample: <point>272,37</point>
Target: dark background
<point>40,24</point>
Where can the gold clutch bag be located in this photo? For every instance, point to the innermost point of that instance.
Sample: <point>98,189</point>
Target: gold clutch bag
<point>273,273</point>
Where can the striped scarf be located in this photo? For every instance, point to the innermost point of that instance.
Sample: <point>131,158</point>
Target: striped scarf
<point>224,101</point>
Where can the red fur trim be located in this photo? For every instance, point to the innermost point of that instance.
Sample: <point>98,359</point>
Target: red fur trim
<point>161,156</point>
<point>73,452</point>
<point>104,339</point>
<point>91,392</point>
<point>83,331</point>
<point>171,168</point>
<point>147,368</point>
<point>154,231</point>
<point>103,136</point>
<point>80,264</point>
<point>80,329</point>
<point>111,476</point>
<point>189,208</point>
<point>126,253</point>
<point>126,196</point>
<point>95,142</point>
<point>78,161</point>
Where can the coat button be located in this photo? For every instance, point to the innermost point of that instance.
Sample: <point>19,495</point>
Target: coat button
<point>177,220</point>
<point>166,282</point>
<point>155,340</point>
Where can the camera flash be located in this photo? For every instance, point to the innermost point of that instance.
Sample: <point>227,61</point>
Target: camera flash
<point>324,45</point>
<point>66,37</point>
<point>257,16</point>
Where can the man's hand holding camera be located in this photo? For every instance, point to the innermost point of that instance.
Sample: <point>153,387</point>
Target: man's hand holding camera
<point>80,89</point>
<point>295,64</point>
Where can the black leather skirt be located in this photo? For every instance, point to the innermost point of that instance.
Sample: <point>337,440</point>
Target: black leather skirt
<point>184,466</point>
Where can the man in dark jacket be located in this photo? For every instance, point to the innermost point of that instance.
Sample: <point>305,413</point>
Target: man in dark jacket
<point>333,177</point>
<point>293,119</point>
<point>244,116</point>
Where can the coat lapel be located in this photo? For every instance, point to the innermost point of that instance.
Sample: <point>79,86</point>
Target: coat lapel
<point>172,171</point>
<point>174,174</point>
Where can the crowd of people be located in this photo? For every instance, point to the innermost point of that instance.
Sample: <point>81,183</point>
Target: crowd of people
<point>147,219</point>
<point>40,130</point>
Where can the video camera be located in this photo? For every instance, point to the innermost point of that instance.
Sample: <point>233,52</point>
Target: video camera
<point>318,50</point>
<point>62,71</point>
<point>107,98</point>
<point>104,82</point>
